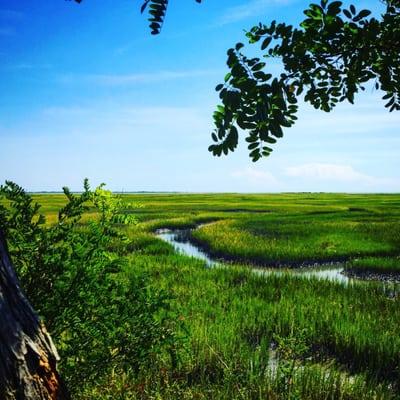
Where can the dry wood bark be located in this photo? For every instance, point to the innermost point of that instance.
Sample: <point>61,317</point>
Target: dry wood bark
<point>28,358</point>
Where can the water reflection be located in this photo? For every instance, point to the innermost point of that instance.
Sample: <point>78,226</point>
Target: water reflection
<point>179,238</point>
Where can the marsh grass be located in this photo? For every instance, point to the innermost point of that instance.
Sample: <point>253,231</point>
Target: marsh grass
<point>380,265</point>
<point>292,241</point>
<point>245,336</point>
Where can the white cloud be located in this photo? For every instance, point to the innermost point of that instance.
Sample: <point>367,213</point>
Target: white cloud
<point>137,78</point>
<point>249,9</point>
<point>28,67</point>
<point>349,119</point>
<point>337,173</point>
<point>127,117</point>
<point>256,176</point>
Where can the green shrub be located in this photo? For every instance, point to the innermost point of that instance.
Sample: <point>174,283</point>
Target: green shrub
<point>101,318</point>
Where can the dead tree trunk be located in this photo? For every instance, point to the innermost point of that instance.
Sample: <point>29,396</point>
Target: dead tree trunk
<point>28,357</point>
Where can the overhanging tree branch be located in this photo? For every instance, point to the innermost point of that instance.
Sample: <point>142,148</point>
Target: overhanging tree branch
<point>157,10</point>
<point>329,58</point>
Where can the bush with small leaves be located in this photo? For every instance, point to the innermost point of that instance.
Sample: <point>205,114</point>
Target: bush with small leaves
<point>100,317</point>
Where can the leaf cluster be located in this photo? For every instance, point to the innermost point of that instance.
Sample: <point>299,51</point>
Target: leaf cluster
<point>157,10</point>
<point>100,318</point>
<point>328,59</point>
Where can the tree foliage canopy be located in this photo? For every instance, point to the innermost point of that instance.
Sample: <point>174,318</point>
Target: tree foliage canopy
<point>328,59</point>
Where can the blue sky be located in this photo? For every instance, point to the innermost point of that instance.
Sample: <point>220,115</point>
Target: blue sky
<point>86,91</point>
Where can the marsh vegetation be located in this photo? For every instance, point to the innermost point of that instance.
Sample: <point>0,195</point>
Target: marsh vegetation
<point>234,334</point>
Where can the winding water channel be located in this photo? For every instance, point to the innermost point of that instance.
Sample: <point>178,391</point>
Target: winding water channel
<point>180,240</point>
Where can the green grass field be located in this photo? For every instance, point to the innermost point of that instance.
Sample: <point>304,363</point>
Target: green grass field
<point>246,336</point>
<point>287,229</point>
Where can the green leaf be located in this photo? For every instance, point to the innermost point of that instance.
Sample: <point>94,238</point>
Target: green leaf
<point>266,43</point>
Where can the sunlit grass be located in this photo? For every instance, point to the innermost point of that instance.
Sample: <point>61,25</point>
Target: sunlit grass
<point>330,341</point>
<point>273,241</point>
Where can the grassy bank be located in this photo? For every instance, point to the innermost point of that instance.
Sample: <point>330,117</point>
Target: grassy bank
<point>244,336</point>
<point>375,265</point>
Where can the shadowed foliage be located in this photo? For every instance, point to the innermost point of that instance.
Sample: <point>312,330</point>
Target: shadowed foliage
<point>329,58</point>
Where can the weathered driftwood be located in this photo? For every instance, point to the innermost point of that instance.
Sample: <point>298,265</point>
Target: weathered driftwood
<point>28,357</point>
